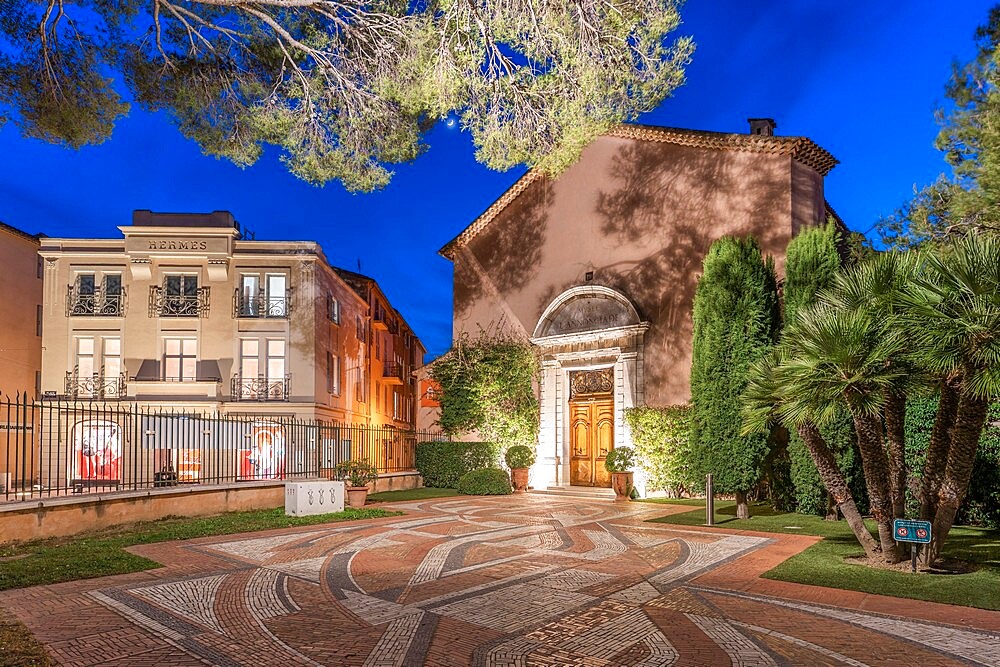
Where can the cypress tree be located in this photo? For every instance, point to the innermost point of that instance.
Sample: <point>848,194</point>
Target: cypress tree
<point>736,321</point>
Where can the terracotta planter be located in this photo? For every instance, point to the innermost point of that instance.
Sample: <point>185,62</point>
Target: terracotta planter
<point>357,495</point>
<point>621,482</point>
<point>519,479</point>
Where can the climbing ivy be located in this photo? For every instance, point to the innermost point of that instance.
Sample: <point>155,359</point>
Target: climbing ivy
<point>487,386</point>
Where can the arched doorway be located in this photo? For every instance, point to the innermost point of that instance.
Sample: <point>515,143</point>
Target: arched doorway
<point>590,339</point>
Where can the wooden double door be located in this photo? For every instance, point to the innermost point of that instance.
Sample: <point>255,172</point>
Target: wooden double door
<point>592,436</point>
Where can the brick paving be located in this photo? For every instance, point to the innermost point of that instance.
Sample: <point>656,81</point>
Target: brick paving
<point>525,581</point>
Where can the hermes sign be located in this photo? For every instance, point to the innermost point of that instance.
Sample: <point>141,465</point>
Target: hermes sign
<point>176,244</point>
<point>155,246</point>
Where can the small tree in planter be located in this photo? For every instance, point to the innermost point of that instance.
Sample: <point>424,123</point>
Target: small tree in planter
<point>519,458</point>
<point>619,462</point>
<point>357,475</point>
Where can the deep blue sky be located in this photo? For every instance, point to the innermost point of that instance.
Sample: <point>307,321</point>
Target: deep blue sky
<point>861,78</point>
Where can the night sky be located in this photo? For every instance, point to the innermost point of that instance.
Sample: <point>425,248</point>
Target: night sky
<point>861,78</point>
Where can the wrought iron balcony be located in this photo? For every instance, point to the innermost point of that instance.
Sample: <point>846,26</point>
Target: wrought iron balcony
<point>393,372</point>
<point>95,304</point>
<point>261,305</point>
<point>261,388</point>
<point>162,304</point>
<point>95,385</point>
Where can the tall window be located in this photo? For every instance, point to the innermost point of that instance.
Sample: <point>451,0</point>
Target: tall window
<point>395,405</point>
<point>277,295</point>
<point>180,295</point>
<point>111,365</point>
<point>84,300</point>
<point>180,359</point>
<point>38,320</point>
<point>85,356</point>
<point>332,308</point>
<point>112,296</point>
<point>249,358</point>
<point>333,373</point>
<point>275,360</point>
<point>249,286</point>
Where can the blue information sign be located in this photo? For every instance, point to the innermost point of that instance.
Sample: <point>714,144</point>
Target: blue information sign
<point>911,530</point>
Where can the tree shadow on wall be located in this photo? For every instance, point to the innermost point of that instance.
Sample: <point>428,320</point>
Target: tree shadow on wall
<point>663,208</point>
<point>509,249</point>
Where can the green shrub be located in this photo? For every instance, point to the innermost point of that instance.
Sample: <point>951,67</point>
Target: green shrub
<point>519,456</point>
<point>810,496</point>
<point>981,506</point>
<point>441,464</point>
<point>485,482</point>
<point>662,438</point>
<point>487,386</point>
<point>620,459</point>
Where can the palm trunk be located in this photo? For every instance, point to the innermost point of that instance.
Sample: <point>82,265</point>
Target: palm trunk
<point>833,480</point>
<point>895,422</point>
<point>969,420</point>
<point>937,452</point>
<point>742,508</point>
<point>876,468</point>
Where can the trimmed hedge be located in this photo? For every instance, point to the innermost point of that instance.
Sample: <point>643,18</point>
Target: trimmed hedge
<point>485,482</point>
<point>441,464</point>
<point>662,438</point>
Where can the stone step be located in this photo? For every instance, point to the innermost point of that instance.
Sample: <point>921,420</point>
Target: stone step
<point>576,492</point>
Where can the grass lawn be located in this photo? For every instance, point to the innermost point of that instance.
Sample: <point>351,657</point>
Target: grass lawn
<point>102,553</point>
<point>823,563</point>
<point>423,493</point>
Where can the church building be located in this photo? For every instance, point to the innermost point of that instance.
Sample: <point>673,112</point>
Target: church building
<point>598,268</point>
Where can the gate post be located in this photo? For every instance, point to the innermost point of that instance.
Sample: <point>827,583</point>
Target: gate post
<point>709,501</point>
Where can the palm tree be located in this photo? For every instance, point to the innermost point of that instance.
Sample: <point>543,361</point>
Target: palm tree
<point>835,356</point>
<point>951,313</point>
<point>876,288</point>
<point>766,402</point>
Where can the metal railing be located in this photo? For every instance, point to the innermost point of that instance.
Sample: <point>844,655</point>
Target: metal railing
<point>60,447</point>
<point>261,304</point>
<point>95,385</point>
<point>162,304</point>
<point>261,388</point>
<point>96,304</point>
<point>391,369</point>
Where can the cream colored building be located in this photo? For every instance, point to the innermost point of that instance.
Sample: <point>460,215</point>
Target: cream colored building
<point>182,312</point>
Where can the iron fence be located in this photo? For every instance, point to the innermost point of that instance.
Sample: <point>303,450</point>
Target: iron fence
<point>64,447</point>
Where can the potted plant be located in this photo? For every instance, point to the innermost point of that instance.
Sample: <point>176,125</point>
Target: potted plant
<point>519,458</point>
<point>619,463</point>
<point>357,475</point>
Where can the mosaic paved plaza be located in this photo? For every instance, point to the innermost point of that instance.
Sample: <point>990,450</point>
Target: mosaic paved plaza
<point>515,581</point>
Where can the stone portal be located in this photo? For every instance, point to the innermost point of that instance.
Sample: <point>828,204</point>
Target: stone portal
<point>591,343</point>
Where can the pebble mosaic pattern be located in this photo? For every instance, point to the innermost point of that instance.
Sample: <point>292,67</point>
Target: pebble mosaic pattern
<point>522,581</point>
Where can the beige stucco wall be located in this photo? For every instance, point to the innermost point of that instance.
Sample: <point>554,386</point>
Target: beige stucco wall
<point>639,215</point>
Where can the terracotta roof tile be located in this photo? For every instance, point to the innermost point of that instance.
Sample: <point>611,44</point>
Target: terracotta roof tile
<point>801,149</point>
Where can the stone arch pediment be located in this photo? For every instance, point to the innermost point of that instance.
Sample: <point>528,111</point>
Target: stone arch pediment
<point>586,308</point>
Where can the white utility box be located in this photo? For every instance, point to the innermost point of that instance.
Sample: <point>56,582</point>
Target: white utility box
<point>320,496</point>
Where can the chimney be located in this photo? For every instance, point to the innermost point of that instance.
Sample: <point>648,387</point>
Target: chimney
<point>762,126</point>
